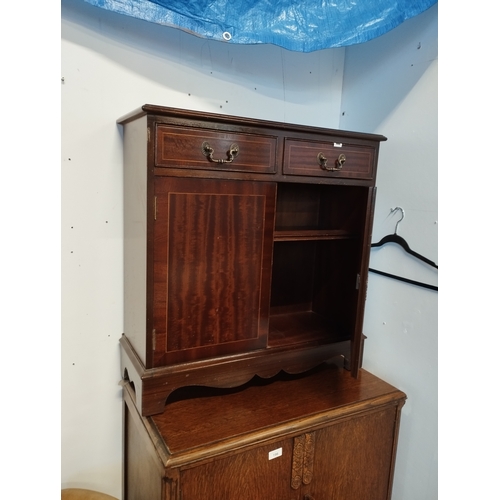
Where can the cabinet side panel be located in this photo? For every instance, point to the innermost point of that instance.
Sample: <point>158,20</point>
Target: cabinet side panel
<point>143,470</point>
<point>135,233</point>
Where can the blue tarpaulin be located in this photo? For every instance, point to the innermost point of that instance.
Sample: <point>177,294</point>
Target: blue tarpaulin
<point>299,25</point>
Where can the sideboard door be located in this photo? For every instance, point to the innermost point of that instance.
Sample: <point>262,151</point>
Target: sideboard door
<point>353,459</point>
<point>213,243</point>
<point>261,473</point>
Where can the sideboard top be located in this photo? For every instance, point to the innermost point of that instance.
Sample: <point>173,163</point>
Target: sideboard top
<point>166,112</point>
<point>328,392</point>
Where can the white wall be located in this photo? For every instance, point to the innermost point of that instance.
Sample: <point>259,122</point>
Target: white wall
<point>111,65</point>
<point>390,87</point>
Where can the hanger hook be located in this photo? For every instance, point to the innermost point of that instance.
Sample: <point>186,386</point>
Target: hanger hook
<point>402,217</point>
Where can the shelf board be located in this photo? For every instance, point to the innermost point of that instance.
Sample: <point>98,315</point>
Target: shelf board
<point>312,234</point>
<point>301,327</point>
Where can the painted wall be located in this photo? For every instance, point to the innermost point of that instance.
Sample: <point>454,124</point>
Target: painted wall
<point>112,64</point>
<point>394,78</point>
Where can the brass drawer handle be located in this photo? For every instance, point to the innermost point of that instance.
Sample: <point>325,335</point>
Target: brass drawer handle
<point>339,162</point>
<point>208,151</point>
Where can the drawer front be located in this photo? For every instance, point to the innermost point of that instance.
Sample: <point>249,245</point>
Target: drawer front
<point>328,159</point>
<point>215,150</point>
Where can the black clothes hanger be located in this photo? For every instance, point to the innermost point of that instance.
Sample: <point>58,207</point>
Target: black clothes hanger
<point>395,238</point>
<point>406,280</point>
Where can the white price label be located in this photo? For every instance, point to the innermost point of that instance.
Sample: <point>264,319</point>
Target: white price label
<point>275,453</point>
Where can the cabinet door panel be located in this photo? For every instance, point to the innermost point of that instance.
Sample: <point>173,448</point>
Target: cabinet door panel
<point>212,261</point>
<point>353,458</point>
<point>246,476</point>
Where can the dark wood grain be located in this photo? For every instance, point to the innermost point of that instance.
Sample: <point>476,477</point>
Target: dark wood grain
<point>215,443</point>
<point>244,476</point>
<point>353,459</point>
<point>222,414</point>
<point>142,471</point>
<point>213,247</point>
<point>215,121</point>
<point>182,147</point>
<point>248,274</point>
<point>154,386</point>
<point>301,158</point>
<point>262,253</point>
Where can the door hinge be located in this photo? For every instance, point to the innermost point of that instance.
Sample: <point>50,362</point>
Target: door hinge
<point>149,134</point>
<point>358,281</point>
<point>155,207</point>
<point>154,339</point>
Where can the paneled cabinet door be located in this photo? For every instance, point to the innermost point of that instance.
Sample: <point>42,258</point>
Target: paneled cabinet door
<point>213,242</point>
<point>353,459</point>
<point>261,473</point>
<point>349,460</point>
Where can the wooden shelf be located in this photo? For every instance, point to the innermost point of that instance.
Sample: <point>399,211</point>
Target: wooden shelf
<point>312,234</point>
<point>302,327</point>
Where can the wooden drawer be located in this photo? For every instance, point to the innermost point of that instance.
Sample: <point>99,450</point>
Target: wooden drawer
<point>190,148</point>
<point>304,158</point>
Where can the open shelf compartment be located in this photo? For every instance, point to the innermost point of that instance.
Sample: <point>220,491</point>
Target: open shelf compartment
<point>316,263</point>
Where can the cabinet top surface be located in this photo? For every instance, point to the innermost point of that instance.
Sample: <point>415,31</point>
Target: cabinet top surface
<point>162,112</point>
<point>290,401</point>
